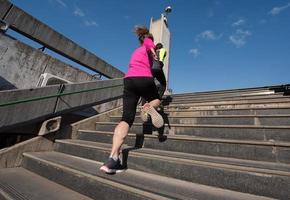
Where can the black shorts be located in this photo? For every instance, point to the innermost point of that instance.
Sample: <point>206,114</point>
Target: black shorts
<point>134,88</point>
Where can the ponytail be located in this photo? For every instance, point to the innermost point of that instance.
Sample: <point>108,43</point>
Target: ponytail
<point>142,32</point>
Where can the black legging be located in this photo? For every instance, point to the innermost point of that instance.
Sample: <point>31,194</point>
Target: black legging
<point>134,88</point>
<point>159,75</point>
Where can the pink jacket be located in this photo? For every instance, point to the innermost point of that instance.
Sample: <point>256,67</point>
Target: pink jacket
<point>141,61</point>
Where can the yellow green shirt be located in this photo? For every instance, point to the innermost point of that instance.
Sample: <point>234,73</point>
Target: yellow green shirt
<point>162,54</point>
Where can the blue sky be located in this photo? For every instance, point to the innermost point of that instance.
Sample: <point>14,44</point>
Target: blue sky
<point>215,44</point>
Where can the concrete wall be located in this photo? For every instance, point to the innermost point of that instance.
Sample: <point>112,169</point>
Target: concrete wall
<point>5,5</point>
<point>75,97</point>
<point>34,29</point>
<point>21,65</point>
<point>13,156</point>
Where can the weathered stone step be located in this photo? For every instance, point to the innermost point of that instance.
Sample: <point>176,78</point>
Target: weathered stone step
<point>276,152</point>
<point>226,92</point>
<point>272,102</point>
<point>224,98</point>
<point>62,169</point>
<point>236,132</point>
<point>271,183</point>
<point>232,94</point>
<point>191,112</point>
<point>164,186</point>
<point>19,183</point>
<point>223,106</point>
<point>264,120</point>
<point>226,106</point>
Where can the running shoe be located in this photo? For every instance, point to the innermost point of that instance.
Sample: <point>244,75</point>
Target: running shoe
<point>144,116</point>
<point>112,166</point>
<point>157,119</point>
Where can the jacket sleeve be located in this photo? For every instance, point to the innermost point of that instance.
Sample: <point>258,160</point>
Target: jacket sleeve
<point>148,43</point>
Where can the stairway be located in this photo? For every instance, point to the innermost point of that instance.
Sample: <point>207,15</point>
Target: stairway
<point>232,144</point>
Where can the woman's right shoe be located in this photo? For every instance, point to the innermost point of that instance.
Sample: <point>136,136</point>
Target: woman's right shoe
<point>157,119</point>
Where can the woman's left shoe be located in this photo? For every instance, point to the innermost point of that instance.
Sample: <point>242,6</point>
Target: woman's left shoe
<point>144,116</point>
<point>157,119</point>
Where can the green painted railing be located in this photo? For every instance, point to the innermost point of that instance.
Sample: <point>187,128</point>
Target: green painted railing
<point>55,95</point>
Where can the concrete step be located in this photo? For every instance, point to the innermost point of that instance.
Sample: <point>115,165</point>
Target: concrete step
<point>159,185</point>
<point>276,152</point>
<point>229,94</point>
<point>192,112</point>
<point>236,97</point>
<point>230,105</point>
<point>235,132</point>
<point>263,182</point>
<point>225,92</point>
<point>19,183</point>
<point>225,105</point>
<point>73,174</point>
<point>270,101</point>
<point>263,120</point>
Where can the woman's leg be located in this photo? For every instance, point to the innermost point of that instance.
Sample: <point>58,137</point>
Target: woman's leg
<point>150,93</point>
<point>159,75</point>
<point>130,100</point>
<point>120,133</point>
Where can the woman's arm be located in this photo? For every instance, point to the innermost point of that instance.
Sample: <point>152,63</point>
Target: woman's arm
<point>148,43</point>
<point>153,52</point>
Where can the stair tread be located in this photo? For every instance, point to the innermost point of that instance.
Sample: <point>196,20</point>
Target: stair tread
<point>230,102</point>
<point>160,185</point>
<point>235,95</point>
<point>210,125</point>
<point>180,109</point>
<point>19,183</point>
<point>183,118</point>
<point>237,90</point>
<point>238,95</point>
<point>196,138</point>
<point>225,98</point>
<point>220,116</point>
<point>213,161</point>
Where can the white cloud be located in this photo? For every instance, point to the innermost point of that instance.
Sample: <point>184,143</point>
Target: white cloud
<point>239,37</point>
<point>239,22</point>
<point>78,12</point>
<point>60,2</point>
<point>90,23</point>
<point>207,35</point>
<point>194,52</point>
<point>278,10</point>
<point>87,22</point>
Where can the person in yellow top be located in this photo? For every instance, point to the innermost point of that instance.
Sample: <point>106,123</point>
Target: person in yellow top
<point>161,52</point>
<point>157,70</point>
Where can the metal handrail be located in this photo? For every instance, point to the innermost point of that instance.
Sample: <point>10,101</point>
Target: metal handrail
<point>55,95</point>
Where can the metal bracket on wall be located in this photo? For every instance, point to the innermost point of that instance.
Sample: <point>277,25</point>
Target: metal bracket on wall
<point>97,76</point>
<point>3,26</point>
<point>42,48</point>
